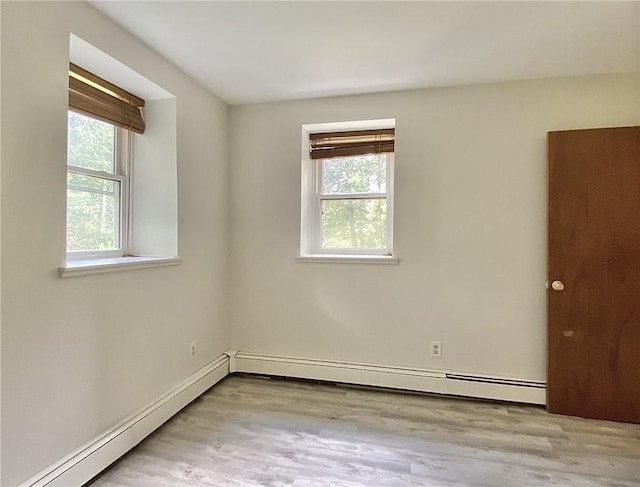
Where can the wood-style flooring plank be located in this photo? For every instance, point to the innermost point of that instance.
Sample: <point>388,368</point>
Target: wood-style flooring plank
<point>253,431</point>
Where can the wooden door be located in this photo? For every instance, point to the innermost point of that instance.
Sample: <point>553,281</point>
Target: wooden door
<point>593,366</point>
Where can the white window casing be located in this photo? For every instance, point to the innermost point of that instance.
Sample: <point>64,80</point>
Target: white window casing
<point>147,173</point>
<point>311,240</point>
<point>124,141</point>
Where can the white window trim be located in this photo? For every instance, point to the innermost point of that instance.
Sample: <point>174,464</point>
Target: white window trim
<point>316,241</point>
<point>101,262</point>
<point>124,141</point>
<point>156,149</point>
<point>348,259</point>
<point>310,225</point>
<point>105,265</point>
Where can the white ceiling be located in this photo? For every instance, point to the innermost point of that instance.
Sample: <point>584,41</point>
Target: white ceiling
<point>247,52</point>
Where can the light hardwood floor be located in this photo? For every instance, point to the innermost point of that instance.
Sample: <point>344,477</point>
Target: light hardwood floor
<point>251,431</point>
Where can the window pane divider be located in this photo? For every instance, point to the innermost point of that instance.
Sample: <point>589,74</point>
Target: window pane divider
<point>97,174</point>
<point>92,190</point>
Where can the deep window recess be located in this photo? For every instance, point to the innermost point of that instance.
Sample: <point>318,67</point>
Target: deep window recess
<point>349,193</point>
<point>101,123</point>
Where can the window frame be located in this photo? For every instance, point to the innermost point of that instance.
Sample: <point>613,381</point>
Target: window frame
<point>311,199</point>
<point>123,151</point>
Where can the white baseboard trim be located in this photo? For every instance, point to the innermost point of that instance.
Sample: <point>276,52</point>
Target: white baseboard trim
<point>413,379</point>
<point>87,461</point>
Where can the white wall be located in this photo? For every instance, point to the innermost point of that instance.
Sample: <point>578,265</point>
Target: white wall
<point>469,227</point>
<point>153,179</point>
<point>80,354</point>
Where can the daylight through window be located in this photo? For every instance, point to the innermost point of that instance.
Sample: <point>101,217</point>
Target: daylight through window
<point>350,205</point>
<point>96,184</point>
<point>101,122</point>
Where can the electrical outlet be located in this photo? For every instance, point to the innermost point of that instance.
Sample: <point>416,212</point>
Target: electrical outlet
<point>436,349</point>
<point>192,350</point>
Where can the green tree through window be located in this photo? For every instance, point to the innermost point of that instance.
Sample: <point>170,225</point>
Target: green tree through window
<point>93,186</point>
<point>353,202</point>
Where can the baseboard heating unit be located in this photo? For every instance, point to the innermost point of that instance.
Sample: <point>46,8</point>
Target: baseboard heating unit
<point>407,378</point>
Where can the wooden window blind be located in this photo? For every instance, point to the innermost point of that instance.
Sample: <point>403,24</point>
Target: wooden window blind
<point>95,97</point>
<point>351,143</point>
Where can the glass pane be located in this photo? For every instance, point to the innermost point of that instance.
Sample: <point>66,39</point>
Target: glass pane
<point>357,174</point>
<point>93,213</point>
<point>354,224</point>
<point>91,143</point>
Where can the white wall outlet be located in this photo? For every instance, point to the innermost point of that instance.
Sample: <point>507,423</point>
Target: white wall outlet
<point>192,349</point>
<point>436,349</point>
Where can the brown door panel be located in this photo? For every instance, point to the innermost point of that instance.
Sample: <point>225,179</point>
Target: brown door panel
<point>593,364</point>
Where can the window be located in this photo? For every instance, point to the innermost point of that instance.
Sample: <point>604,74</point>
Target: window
<point>97,187</point>
<point>101,122</point>
<point>347,192</point>
<point>122,191</point>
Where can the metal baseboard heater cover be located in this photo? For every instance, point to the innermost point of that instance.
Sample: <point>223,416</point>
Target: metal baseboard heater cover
<point>497,380</point>
<point>394,377</point>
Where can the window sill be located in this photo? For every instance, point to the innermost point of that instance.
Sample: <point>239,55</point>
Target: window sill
<point>86,267</point>
<point>348,259</point>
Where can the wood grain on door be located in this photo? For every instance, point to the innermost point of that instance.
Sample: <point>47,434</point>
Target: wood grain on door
<point>593,366</point>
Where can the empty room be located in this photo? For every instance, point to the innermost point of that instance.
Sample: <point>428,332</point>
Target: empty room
<point>320,243</point>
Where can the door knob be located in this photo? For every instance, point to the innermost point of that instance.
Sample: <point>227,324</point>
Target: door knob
<point>557,285</point>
